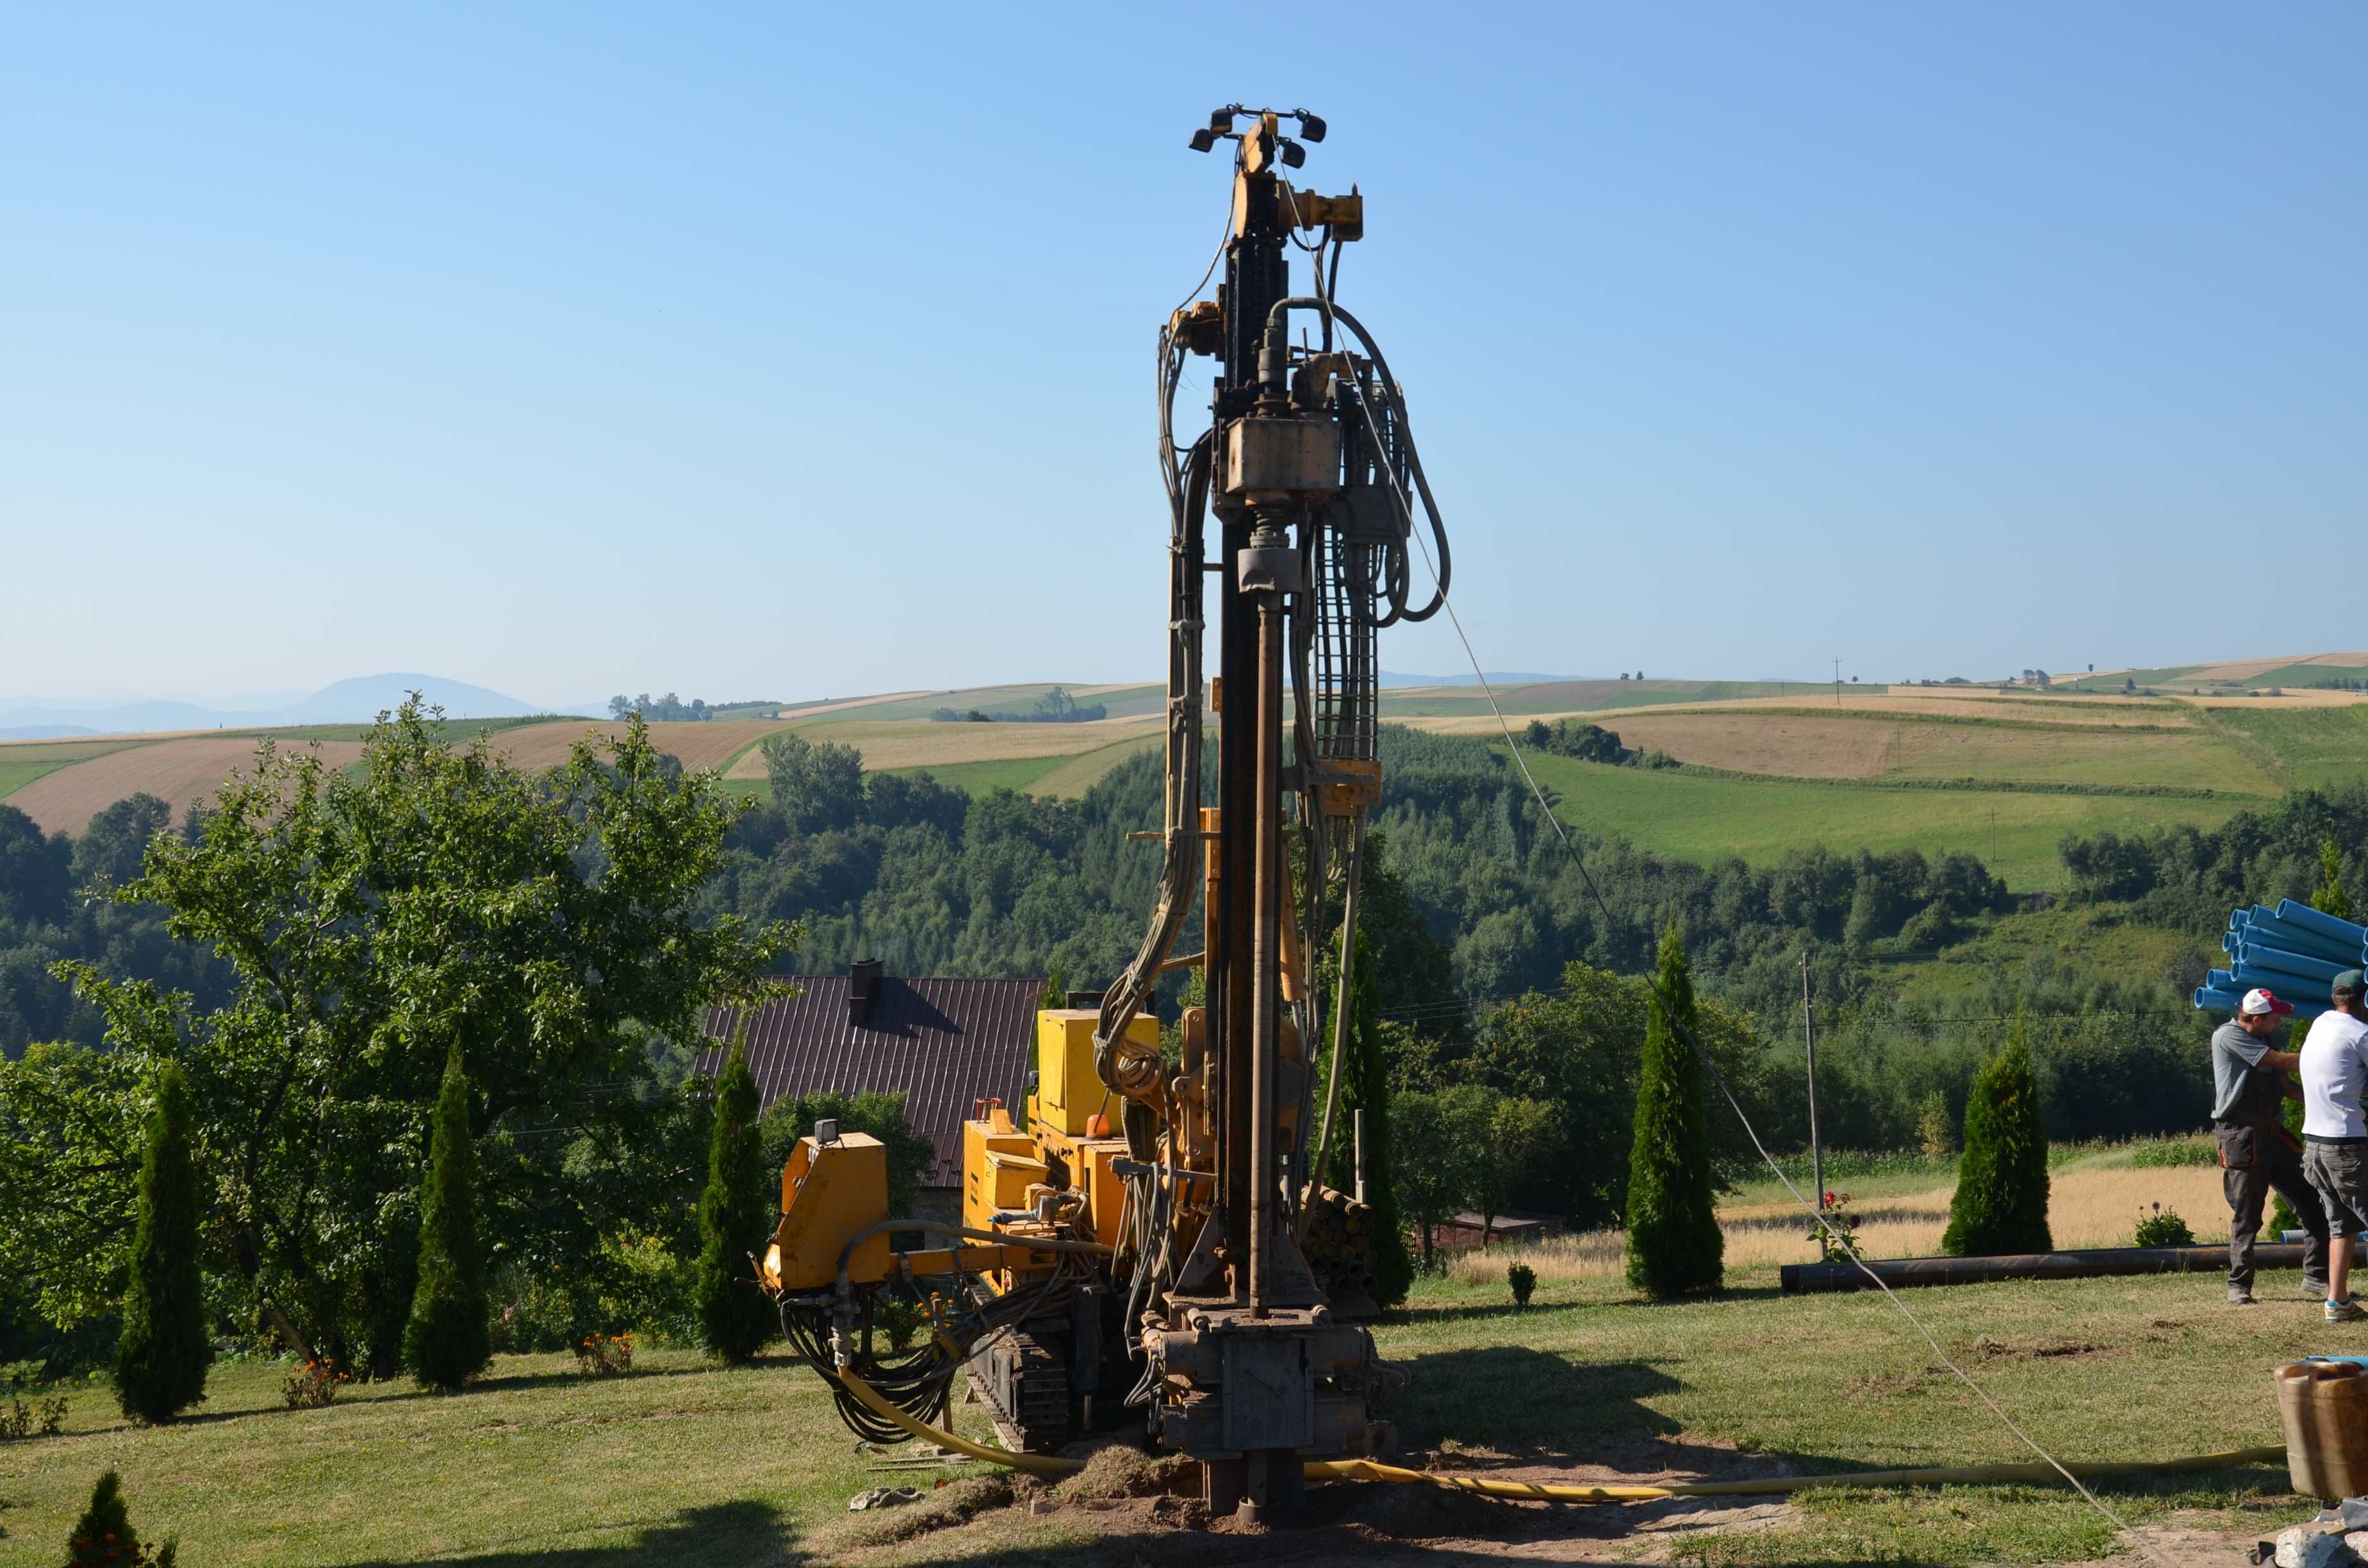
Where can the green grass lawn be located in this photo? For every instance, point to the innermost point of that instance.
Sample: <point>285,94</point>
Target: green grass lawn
<point>1707,818</point>
<point>2093,1369</point>
<point>676,1464</point>
<point>681,1463</point>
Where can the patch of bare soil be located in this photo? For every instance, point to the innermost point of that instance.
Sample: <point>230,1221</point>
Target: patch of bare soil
<point>1125,1508</point>
<point>2046,1348</point>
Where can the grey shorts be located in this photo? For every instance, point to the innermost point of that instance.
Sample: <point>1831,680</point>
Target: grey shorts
<point>2338,1174</point>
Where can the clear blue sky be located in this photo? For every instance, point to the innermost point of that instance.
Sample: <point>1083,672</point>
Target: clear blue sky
<point>784,351</point>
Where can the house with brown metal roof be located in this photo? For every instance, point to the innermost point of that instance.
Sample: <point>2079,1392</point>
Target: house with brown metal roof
<point>945,1044</point>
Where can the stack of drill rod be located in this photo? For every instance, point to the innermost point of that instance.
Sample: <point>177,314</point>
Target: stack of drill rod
<point>2291,951</point>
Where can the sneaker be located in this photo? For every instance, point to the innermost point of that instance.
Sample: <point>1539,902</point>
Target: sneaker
<point>2345,1312</point>
<point>2313,1289</point>
<point>2242,1296</point>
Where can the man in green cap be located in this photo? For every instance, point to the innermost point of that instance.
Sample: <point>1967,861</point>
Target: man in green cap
<point>2335,1130</point>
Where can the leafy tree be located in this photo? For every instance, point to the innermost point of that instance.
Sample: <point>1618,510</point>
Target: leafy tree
<point>1425,1164</point>
<point>734,1318</point>
<point>1674,1242</point>
<point>1521,1135</point>
<point>1576,738</point>
<point>370,921</point>
<point>2330,898</point>
<point>816,788</point>
<point>161,1360</point>
<point>448,1340</point>
<point>878,1113</point>
<point>2000,1204</point>
<point>110,850</point>
<point>34,869</point>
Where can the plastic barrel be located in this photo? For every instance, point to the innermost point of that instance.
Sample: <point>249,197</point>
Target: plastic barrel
<point>2325,1407</point>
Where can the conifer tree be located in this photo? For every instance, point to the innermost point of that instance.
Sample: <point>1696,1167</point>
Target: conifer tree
<point>1365,1085</point>
<point>1674,1242</point>
<point>734,1318</point>
<point>103,1538</point>
<point>448,1340</point>
<point>2000,1204</point>
<point>161,1359</point>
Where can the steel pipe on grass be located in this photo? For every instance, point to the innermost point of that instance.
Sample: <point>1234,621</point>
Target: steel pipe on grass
<point>1811,1279</point>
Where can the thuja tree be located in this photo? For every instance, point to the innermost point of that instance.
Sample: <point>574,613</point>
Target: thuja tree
<point>1674,1242</point>
<point>374,917</point>
<point>448,1340</point>
<point>2001,1199</point>
<point>161,1359</point>
<point>735,1317</point>
<point>103,1537</point>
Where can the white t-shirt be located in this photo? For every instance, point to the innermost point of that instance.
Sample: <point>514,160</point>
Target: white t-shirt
<point>2334,1073</point>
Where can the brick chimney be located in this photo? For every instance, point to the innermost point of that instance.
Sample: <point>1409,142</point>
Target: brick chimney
<point>862,989</point>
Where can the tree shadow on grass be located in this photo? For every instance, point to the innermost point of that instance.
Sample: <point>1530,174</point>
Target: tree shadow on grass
<point>741,1534</point>
<point>563,1376</point>
<point>1516,1399</point>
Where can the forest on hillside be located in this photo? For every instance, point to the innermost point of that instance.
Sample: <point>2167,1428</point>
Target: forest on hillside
<point>1486,929</point>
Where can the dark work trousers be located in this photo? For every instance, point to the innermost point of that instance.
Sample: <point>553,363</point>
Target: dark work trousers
<point>2254,1160</point>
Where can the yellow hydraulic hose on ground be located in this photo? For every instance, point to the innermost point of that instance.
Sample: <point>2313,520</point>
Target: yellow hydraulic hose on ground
<point>1527,1491</point>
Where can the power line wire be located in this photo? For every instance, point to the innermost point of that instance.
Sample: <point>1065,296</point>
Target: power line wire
<point>1814,1211</point>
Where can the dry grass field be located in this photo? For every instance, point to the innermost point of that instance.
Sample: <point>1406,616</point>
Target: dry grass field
<point>2090,1204</point>
<point>1869,702</point>
<point>700,745</point>
<point>177,771</point>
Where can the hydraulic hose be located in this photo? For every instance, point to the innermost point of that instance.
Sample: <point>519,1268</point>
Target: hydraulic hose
<point>1537,1492</point>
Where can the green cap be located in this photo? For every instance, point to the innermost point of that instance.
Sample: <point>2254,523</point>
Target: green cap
<point>2350,983</point>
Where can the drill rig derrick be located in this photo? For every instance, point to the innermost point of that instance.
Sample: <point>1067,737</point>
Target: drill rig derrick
<point>1305,466</point>
<point>1165,1246</point>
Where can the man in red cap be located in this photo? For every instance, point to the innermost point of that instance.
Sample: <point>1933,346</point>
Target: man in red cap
<point>2249,1088</point>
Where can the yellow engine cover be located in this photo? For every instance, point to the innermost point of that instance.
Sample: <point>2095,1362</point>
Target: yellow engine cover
<point>830,1191</point>
<point>1068,1090</point>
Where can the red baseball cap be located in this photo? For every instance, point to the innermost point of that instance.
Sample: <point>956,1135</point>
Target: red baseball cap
<point>2258,1002</point>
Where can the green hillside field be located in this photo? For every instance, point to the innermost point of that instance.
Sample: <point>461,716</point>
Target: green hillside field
<point>1708,817</point>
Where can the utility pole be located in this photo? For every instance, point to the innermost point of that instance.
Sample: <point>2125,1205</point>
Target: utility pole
<point>1816,1150</point>
<point>1838,683</point>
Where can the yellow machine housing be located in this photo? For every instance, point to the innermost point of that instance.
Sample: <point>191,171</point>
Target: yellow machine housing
<point>1069,1093</point>
<point>830,1191</point>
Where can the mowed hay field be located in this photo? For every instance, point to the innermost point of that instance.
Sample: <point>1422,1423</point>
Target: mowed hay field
<point>889,746</point>
<point>177,771</point>
<point>2176,756</point>
<point>711,743</point>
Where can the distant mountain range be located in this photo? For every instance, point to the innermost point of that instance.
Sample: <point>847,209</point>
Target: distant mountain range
<point>355,702</point>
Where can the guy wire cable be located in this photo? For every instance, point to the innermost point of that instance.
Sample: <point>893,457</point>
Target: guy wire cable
<point>1669,1015</point>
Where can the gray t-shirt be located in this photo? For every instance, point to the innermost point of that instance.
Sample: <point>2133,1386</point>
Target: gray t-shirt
<point>2234,1055</point>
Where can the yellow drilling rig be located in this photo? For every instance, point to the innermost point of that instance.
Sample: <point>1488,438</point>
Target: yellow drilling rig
<point>1133,1249</point>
